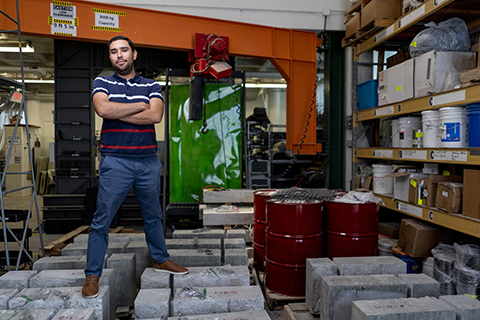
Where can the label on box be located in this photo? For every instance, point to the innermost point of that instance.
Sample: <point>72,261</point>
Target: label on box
<point>445,194</point>
<point>382,153</point>
<point>413,183</point>
<point>413,154</point>
<point>413,210</point>
<point>448,156</point>
<point>451,132</point>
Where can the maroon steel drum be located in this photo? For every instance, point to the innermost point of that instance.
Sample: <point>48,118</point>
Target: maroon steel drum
<point>294,233</point>
<point>260,198</point>
<point>351,229</point>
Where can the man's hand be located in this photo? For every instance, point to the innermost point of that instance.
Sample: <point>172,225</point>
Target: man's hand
<point>114,110</point>
<point>152,115</point>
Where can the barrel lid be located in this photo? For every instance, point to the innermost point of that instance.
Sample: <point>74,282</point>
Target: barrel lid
<point>387,244</point>
<point>295,202</point>
<point>265,193</point>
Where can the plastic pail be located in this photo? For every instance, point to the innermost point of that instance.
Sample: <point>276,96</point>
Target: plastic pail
<point>453,121</point>
<point>395,138</point>
<point>406,126</point>
<point>473,116</point>
<point>385,246</point>
<point>432,133</point>
<point>381,183</point>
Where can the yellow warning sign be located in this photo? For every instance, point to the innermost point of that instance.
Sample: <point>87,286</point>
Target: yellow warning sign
<point>118,13</point>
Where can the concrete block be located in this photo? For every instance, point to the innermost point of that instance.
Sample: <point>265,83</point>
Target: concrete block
<point>338,292</point>
<point>152,303</point>
<point>17,279</point>
<point>6,314</point>
<point>214,217</point>
<point>117,247</point>
<point>224,276</point>
<point>75,314</point>
<point>420,285</point>
<point>315,269</point>
<point>142,257</point>
<point>197,258</point>
<point>203,233</point>
<point>250,252</point>
<point>236,257</point>
<point>155,280</point>
<point>114,237</point>
<point>402,309</point>
<point>60,262</point>
<point>195,301</point>
<point>228,196</point>
<point>237,234</point>
<point>234,243</point>
<point>194,243</point>
<point>75,249</point>
<point>74,278</point>
<point>45,314</point>
<point>82,263</point>
<point>125,280</point>
<point>242,315</point>
<point>466,307</point>
<point>5,296</point>
<point>63,298</point>
<point>370,265</point>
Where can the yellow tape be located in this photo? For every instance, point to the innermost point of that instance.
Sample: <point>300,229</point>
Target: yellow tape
<point>63,34</point>
<point>50,20</point>
<point>418,134</point>
<point>106,29</point>
<point>76,22</point>
<point>118,13</point>
<point>62,21</point>
<point>399,88</point>
<point>62,3</point>
<point>414,44</point>
<point>413,183</point>
<point>446,173</point>
<point>420,201</point>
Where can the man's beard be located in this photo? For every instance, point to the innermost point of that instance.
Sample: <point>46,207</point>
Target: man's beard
<point>125,70</point>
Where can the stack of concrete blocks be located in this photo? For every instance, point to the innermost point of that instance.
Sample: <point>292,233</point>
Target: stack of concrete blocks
<point>17,279</point>
<point>466,307</point>
<point>125,278</point>
<point>243,315</point>
<point>315,269</point>
<point>5,296</point>
<point>75,249</point>
<point>420,285</point>
<point>403,309</point>
<point>60,263</point>
<point>152,303</point>
<point>143,259</point>
<point>370,265</point>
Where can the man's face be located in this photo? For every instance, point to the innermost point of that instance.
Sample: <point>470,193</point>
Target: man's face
<point>122,56</point>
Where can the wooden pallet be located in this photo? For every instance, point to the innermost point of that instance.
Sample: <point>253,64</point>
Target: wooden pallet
<point>298,311</point>
<point>274,300</point>
<point>365,32</point>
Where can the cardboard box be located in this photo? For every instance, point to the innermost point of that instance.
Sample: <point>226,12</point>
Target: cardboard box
<point>352,26</point>
<point>471,200</point>
<point>401,177</point>
<point>449,196</point>
<point>434,70</point>
<point>396,83</point>
<point>381,9</point>
<point>430,192</point>
<point>430,168</point>
<point>390,229</point>
<point>417,239</point>
<point>415,190</point>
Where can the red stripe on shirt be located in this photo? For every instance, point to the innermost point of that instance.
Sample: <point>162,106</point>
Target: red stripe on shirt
<point>128,147</point>
<point>129,130</point>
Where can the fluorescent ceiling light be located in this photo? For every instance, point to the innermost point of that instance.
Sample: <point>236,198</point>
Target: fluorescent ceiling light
<point>266,85</point>
<point>26,49</point>
<point>37,81</point>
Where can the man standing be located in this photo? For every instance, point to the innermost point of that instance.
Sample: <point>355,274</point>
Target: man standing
<point>130,105</point>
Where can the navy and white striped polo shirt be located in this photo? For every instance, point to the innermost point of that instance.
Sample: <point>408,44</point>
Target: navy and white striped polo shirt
<point>120,138</point>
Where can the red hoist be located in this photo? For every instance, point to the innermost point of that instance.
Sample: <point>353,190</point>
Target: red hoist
<point>210,56</point>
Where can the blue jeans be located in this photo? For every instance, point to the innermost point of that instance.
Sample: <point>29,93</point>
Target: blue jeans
<point>117,176</point>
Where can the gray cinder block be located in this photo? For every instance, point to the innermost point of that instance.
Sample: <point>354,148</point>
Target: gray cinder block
<point>237,233</point>
<point>236,257</point>
<point>63,298</point>
<point>420,285</point>
<point>114,237</point>
<point>6,314</point>
<point>402,309</point>
<point>338,292</point>
<point>370,265</point>
<point>45,314</point>
<point>75,249</point>
<point>125,280</point>
<point>224,276</point>
<point>82,263</point>
<point>315,269</point>
<point>203,233</point>
<point>59,263</point>
<point>75,314</point>
<point>142,257</point>
<point>229,195</point>
<point>234,243</point>
<point>117,247</point>
<point>466,307</point>
<point>242,315</point>
<point>5,296</point>
<point>152,303</point>
<point>195,301</point>
<point>17,279</point>
<point>197,258</point>
<point>194,243</point>
<point>155,280</point>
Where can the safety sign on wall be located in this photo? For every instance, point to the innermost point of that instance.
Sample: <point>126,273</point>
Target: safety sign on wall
<point>63,18</point>
<point>107,20</point>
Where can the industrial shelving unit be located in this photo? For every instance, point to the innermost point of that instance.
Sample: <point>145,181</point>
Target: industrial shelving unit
<point>402,32</point>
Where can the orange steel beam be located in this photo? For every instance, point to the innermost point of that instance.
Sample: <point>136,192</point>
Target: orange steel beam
<point>292,52</point>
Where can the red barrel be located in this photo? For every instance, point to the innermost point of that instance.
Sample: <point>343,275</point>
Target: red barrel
<point>351,229</point>
<point>260,198</point>
<point>294,233</point>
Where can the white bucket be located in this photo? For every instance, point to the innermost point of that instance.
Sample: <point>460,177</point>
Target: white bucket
<point>432,132</point>
<point>381,183</point>
<point>385,246</point>
<point>395,137</point>
<point>453,121</point>
<point>406,126</point>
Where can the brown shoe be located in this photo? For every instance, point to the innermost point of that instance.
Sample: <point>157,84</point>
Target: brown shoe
<point>170,267</point>
<point>90,288</point>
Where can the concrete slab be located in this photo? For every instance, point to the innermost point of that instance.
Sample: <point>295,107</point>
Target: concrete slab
<point>466,307</point>
<point>17,279</point>
<point>197,258</point>
<point>315,269</point>
<point>83,261</point>
<point>237,233</point>
<point>152,303</point>
<point>75,249</point>
<point>6,314</point>
<point>420,285</point>
<point>114,237</point>
<point>60,262</point>
<point>63,298</point>
<point>5,296</point>
<point>212,216</point>
<point>195,301</point>
<point>243,315</point>
<point>203,233</point>
<point>155,280</point>
<point>236,257</point>
<point>125,280</point>
<point>234,243</point>
<point>117,247</point>
<point>75,314</point>
<point>228,196</point>
<point>45,314</point>
<point>194,243</point>
<point>338,292</point>
<point>402,309</point>
<point>370,265</point>
<point>223,276</point>
<point>142,257</point>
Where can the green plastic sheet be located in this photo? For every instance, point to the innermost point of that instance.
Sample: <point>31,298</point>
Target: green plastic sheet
<point>214,158</point>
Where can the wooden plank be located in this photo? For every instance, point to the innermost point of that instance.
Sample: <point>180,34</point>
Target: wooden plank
<point>67,237</point>
<point>298,311</point>
<point>116,230</point>
<point>288,313</point>
<point>470,75</point>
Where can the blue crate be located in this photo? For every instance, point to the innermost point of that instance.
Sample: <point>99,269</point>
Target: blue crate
<point>367,94</point>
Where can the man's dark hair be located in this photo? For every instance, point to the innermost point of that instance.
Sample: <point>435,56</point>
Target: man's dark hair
<point>130,43</point>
